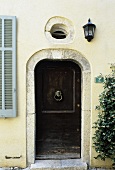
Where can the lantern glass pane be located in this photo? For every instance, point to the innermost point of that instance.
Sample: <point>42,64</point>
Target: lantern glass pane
<point>86,31</point>
<point>91,30</point>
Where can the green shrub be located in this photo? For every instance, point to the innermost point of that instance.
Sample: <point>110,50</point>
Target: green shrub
<point>104,137</point>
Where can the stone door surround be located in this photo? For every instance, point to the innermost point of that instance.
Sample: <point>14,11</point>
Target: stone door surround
<point>59,54</point>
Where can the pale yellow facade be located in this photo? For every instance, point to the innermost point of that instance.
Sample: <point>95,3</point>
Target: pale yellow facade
<point>32,17</point>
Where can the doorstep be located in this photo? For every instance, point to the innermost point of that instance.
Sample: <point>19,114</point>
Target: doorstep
<point>68,164</point>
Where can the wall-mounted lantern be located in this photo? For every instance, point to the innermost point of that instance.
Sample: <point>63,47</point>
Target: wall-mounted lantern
<point>89,30</point>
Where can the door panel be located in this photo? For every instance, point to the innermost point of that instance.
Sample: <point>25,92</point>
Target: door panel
<point>58,109</point>
<point>57,80</point>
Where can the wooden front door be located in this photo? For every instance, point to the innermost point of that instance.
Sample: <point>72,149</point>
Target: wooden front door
<point>58,109</point>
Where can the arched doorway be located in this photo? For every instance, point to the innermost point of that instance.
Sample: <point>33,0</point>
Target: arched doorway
<point>58,109</point>
<point>59,54</point>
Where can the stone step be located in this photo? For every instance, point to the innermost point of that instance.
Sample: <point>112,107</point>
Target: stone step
<point>68,164</point>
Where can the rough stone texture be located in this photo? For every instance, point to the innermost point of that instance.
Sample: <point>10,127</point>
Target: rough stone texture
<point>85,135</point>
<point>71,164</point>
<point>63,54</point>
<point>78,58</point>
<point>101,169</point>
<point>57,164</point>
<point>30,91</point>
<point>31,136</point>
<point>86,90</point>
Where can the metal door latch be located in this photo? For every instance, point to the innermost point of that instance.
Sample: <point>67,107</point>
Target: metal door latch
<point>58,95</point>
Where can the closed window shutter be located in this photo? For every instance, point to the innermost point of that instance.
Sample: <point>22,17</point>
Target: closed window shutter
<point>7,66</point>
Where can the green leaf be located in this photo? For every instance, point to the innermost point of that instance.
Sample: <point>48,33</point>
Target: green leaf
<point>104,136</point>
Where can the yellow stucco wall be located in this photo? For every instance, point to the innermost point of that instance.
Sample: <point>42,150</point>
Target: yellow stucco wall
<point>32,17</point>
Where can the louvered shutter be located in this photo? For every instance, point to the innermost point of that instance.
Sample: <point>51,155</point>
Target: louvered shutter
<point>7,66</point>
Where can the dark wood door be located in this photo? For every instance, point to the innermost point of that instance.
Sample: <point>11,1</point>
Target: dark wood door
<point>58,109</point>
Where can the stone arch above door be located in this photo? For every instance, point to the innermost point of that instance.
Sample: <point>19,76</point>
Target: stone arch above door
<point>61,54</point>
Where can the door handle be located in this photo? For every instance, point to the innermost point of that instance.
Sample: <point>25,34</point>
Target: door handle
<point>58,95</point>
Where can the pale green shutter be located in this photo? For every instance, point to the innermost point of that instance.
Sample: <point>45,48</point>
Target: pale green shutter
<point>7,66</point>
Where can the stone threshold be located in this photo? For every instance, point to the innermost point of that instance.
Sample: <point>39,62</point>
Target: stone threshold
<point>101,169</point>
<point>70,164</point>
<point>67,164</point>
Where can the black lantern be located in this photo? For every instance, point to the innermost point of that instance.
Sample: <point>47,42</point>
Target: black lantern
<point>89,30</point>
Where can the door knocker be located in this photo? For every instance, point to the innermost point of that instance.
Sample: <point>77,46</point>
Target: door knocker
<point>58,95</point>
